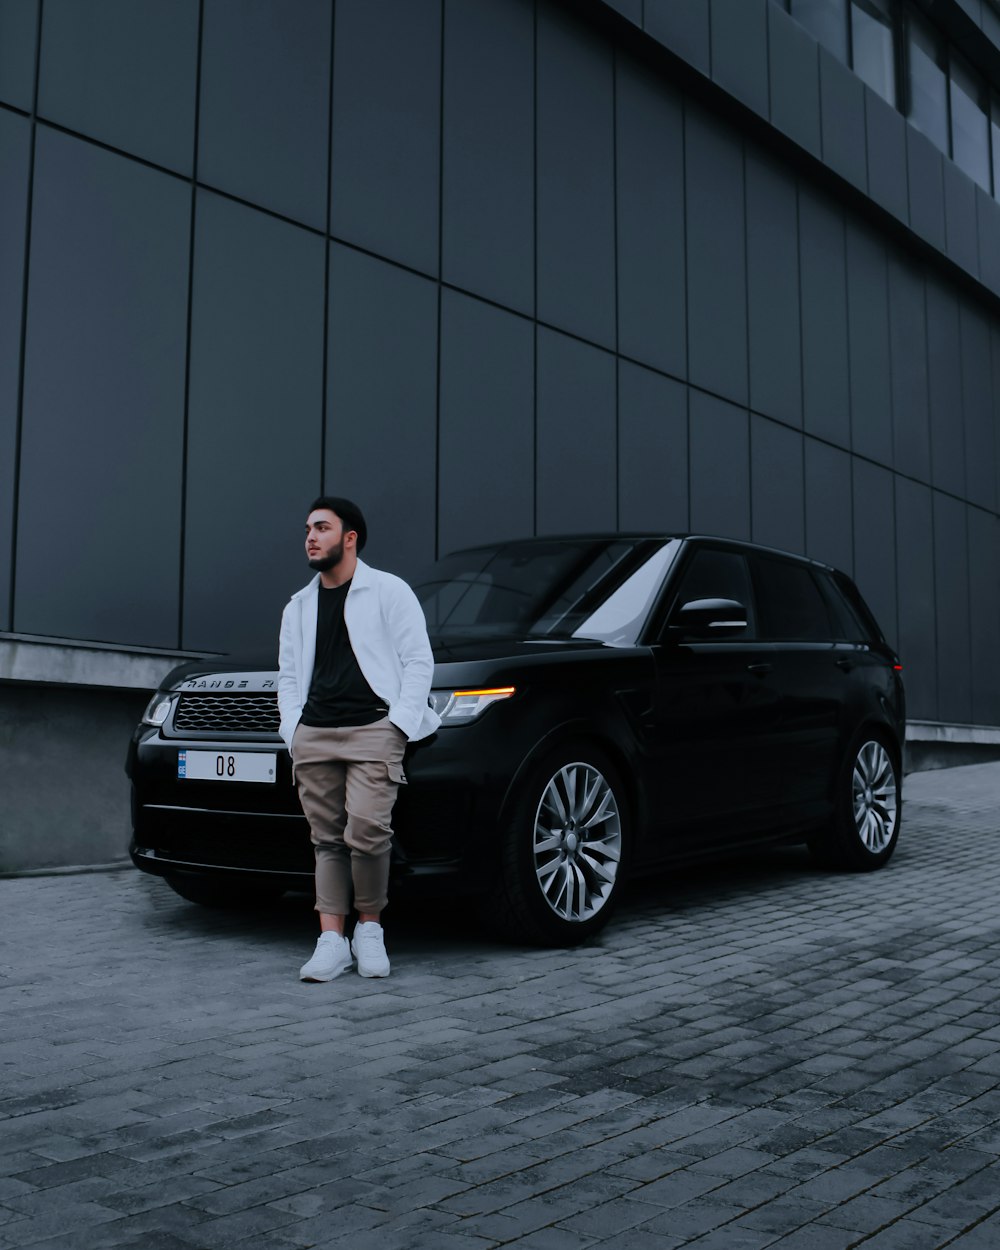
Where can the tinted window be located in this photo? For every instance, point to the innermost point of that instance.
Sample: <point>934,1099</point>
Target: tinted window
<point>860,611</point>
<point>847,624</point>
<point>826,20</point>
<point>789,601</point>
<point>873,54</point>
<point>970,135</point>
<point>593,589</point>
<point>995,142</point>
<point>928,81</point>
<point>619,617</point>
<point>715,574</point>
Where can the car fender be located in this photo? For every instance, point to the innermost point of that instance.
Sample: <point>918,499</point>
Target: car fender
<point>573,729</point>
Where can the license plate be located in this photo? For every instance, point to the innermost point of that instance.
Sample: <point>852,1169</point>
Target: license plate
<point>226,765</point>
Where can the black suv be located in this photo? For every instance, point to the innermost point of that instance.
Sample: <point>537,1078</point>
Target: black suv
<point>609,704</point>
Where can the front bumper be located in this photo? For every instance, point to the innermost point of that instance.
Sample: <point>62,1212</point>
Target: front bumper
<point>445,820</point>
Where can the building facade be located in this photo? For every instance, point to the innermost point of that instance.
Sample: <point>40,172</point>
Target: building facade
<point>492,268</point>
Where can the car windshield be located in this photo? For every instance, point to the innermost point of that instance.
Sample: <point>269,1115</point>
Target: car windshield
<point>547,588</point>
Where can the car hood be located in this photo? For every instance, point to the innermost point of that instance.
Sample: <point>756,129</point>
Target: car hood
<point>257,670</point>
<point>468,650</point>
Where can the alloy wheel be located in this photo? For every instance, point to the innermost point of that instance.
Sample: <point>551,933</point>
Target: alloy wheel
<point>577,842</point>
<point>874,797</point>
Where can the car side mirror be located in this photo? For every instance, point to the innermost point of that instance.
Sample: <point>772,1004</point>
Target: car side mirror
<point>709,618</point>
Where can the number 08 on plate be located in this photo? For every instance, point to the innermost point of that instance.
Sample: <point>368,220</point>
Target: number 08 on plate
<point>227,766</point>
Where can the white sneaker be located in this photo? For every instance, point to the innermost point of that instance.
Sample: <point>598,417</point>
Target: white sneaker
<point>369,950</point>
<point>331,957</point>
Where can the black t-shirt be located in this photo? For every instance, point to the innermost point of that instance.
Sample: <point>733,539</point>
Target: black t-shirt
<point>339,696</point>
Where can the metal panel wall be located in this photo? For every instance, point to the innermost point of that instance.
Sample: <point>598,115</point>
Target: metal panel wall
<point>652,450</point>
<point>263,129</point>
<point>739,50</point>
<point>486,466</point>
<point>716,257</point>
<point>944,387</point>
<point>951,586</point>
<point>870,374</point>
<point>15,140</point>
<point>488,157</point>
<point>575,480</point>
<point>123,72</point>
<point>984,615</point>
<point>829,511</point>
<point>720,466</point>
<point>384,169</point>
<point>917,640</point>
<point>908,346</point>
<point>100,475</point>
<point>253,430</point>
<point>650,220</point>
<point>775,340</point>
<point>825,375</point>
<point>576,180</point>
<point>875,542</point>
<point>382,361</point>
<point>980,450</point>
<point>18,44</point>
<point>788,366</point>
<point>793,64</point>
<point>777,485</point>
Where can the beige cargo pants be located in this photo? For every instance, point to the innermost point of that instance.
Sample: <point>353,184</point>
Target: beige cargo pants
<point>347,781</point>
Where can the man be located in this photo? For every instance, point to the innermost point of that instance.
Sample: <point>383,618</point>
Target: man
<point>355,672</point>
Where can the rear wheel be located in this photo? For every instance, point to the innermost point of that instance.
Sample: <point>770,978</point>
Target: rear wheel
<point>865,828</point>
<point>223,892</point>
<point>564,853</point>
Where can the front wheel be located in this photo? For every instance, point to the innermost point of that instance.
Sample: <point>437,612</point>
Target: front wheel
<point>564,852</point>
<point>865,828</point>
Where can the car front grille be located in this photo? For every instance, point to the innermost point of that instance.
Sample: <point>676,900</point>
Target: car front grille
<point>227,713</point>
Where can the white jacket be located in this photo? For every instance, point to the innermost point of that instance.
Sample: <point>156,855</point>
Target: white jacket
<point>388,634</point>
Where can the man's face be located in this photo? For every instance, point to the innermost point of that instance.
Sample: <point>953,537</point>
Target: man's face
<point>325,539</point>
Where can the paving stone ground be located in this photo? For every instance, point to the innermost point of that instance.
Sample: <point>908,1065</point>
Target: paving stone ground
<point>760,1054</point>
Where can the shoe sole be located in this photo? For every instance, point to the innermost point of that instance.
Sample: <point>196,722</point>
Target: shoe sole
<point>373,974</point>
<point>319,979</point>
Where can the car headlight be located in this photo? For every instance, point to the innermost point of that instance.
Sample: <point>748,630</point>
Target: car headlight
<point>458,707</point>
<point>158,708</point>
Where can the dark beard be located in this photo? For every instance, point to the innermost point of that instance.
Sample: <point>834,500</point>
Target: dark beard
<point>323,563</point>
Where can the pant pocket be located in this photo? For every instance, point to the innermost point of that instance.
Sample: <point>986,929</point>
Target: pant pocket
<point>396,773</point>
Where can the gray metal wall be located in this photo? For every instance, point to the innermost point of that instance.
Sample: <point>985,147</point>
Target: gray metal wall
<point>477,264</point>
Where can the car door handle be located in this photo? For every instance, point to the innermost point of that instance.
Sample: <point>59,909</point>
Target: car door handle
<point>845,666</point>
<point>759,670</point>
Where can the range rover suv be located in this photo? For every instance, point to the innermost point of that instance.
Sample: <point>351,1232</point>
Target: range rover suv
<point>609,704</point>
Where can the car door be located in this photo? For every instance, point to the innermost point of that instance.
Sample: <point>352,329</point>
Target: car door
<point>714,714</point>
<point>794,615</point>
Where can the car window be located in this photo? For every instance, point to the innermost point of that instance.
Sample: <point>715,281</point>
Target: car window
<point>845,622</point>
<point>713,573</point>
<point>790,603</point>
<point>558,588</point>
<point>621,616</point>
<point>850,609</point>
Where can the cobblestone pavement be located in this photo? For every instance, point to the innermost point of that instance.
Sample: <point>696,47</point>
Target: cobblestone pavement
<point>760,1054</point>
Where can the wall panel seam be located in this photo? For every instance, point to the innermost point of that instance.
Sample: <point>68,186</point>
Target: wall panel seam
<point>23,341</point>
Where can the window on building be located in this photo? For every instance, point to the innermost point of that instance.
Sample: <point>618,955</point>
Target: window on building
<point>995,141</point>
<point>970,126</point>
<point>873,52</point>
<point>928,57</point>
<point>826,21</point>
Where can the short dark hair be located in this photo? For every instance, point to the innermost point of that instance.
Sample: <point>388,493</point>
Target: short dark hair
<point>350,515</point>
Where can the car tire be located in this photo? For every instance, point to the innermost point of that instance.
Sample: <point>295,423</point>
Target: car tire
<point>564,853</point>
<point>868,806</point>
<point>228,894</point>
